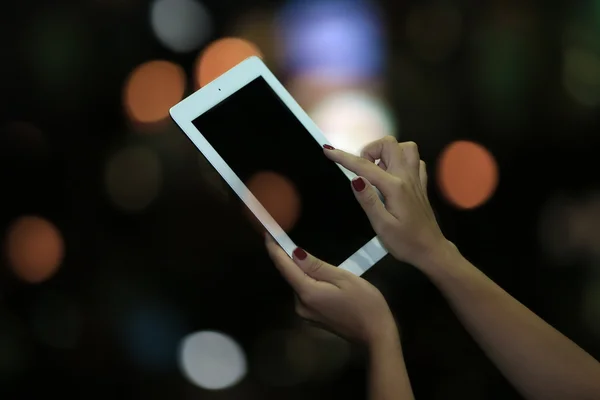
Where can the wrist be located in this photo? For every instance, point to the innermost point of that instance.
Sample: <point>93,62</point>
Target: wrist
<point>384,346</point>
<point>440,259</point>
<point>385,336</point>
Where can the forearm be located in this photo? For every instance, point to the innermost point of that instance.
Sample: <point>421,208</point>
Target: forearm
<point>539,361</point>
<point>387,372</point>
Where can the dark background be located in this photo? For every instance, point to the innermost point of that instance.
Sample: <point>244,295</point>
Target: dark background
<point>190,261</point>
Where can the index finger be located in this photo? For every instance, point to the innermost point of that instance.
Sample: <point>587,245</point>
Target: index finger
<point>361,167</point>
<point>287,267</point>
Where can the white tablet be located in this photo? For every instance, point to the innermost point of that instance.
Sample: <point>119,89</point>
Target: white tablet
<point>245,122</point>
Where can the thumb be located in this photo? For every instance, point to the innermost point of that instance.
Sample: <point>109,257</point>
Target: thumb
<point>317,269</point>
<point>369,200</point>
<point>423,176</point>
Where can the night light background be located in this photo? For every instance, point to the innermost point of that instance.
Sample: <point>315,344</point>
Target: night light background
<point>130,270</point>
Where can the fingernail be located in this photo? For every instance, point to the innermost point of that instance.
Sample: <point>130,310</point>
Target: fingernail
<point>300,254</point>
<point>328,147</point>
<point>358,184</point>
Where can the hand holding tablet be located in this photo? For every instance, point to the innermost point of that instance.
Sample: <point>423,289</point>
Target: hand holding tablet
<point>333,297</point>
<point>406,223</point>
<point>245,123</point>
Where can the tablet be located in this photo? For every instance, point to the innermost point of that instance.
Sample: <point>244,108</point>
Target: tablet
<point>244,123</point>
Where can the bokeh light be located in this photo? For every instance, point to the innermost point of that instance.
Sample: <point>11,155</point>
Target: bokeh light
<point>581,75</point>
<point>334,353</point>
<point>258,26</point>
<point>152,89</point>
<point>467,174</point>
<point>554,230</point>
<point>151,335</point>
<point>180,25</point>
<point>56,320</point>
<point>215,182</point>
<point>583,228</point>
<point>333,39</point>
<point>285,358</point>
<point>59,44</point>
<point>212,360</point>
<point>22,141</point>
<point>350,120</point>
<point>570,229</point>
<point>35,248</point>
<point>222,55</point>
<point>15,351</point>
<point>133,178</point>
<point>506,59</point>
<point>311,90</point>
<point>590,306</point>
<point>581,56</point>
<point>278,196</point>
<point>291,357</point>
<point>434,30</point>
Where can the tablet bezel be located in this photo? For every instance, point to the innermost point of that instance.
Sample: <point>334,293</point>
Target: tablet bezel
<point>190,108</point>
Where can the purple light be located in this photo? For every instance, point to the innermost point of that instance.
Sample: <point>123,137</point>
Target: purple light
<point>340,39</point>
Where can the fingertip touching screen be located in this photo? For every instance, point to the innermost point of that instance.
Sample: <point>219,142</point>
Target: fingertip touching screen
<point>284,167</point>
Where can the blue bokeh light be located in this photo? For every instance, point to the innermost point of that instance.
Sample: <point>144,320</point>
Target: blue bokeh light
<point>151,337</point>
<point>334,39</point>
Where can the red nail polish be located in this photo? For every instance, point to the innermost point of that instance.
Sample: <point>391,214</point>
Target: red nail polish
<point>328,147</point>
<point>300,254</point>
<point>358,184</point>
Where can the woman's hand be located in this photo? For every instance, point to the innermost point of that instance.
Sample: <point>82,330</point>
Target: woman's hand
<point>405,223</point>
<point>338,299</point>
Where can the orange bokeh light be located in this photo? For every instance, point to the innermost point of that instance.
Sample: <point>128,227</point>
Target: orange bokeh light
<point>278,196</point>
<point>152,89</point>
<point>222,55</point>
<point>467,174</point>
<point>35,248</point>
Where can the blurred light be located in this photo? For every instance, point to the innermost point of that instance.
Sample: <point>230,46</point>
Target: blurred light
<point>295,356</point>
<point>590,307</point>
<point>23,141</point>
<point>35,248</point>
<point>212,360</point>
<point>216,183</point>
<point>15,353</point>
<point>350,120</point>
<point>119,5</point>
<point>278,196</point>
<point>334,353</point>
<point>554,230</point>
<point>309,90</point>
<point>339,40</point>
<point>507,55</point>
<point>434,30</point>
<point>180,25</point>
<point>583,228</point>
<point>570,228</point>
<point>222,55</point>
<point>285,358</point>
<point>56,321</point>
<point>467,174</point>
<point>427,100</point>
<point>257,26</point>
<point>152,89</point>
<point>133,178</point>
<point>581,76</point>
<point>151,336</point>
<point>58,46</point>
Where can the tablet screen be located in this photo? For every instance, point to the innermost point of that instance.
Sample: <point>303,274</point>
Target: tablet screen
<point>254,131</point>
